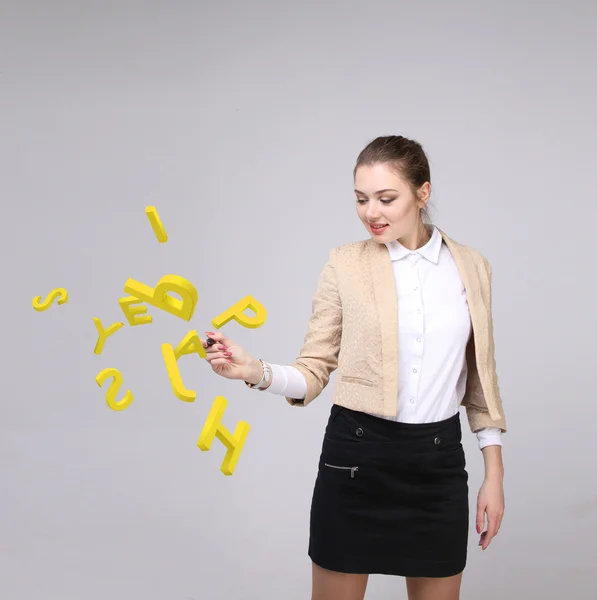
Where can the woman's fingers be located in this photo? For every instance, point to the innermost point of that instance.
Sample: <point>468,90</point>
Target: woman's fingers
<point>491,530</point>
<point>219,337</point>
<point>213,347</point>
<point>225,357</point>
<point>480,516</point>
<point>494,521</point>
<point>216,354</point>
<point>221,356</point>
<point>498,523</point>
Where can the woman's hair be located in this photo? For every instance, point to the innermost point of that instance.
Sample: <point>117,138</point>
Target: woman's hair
<point>406,157</point>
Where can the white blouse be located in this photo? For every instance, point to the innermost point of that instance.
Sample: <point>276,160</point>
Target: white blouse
<point>433,331</point>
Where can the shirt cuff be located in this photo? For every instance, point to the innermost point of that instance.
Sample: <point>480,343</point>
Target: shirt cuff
<point>489,436</point>
<point>287,381</point>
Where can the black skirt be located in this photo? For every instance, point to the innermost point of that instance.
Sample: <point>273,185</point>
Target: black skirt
<point>390,498</point>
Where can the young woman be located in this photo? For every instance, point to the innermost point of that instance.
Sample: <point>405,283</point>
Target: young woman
<point>405,317</point>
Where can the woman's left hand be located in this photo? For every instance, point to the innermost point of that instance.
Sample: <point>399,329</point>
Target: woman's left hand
<point>490,501</point>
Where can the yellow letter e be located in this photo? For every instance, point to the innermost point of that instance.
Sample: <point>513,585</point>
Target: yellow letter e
<point>131,312</point>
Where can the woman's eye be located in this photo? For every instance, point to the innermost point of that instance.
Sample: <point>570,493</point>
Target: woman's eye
<point>384,200</point>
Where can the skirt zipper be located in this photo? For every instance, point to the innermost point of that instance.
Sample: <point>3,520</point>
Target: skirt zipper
<point>352,469</point>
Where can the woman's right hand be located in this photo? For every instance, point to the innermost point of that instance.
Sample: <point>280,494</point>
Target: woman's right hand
<point>229,360</point>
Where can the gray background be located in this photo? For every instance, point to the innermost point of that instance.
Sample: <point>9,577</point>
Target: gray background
<point>241,123</point>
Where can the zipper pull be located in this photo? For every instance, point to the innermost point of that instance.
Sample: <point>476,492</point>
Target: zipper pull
<point>352,470</point>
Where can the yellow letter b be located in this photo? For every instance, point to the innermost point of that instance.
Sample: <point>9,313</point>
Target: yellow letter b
<point>161,296</point>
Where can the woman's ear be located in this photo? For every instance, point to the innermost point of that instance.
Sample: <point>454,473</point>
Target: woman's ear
<point>423,194</point>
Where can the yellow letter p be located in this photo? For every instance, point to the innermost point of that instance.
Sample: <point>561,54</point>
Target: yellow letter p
<point>237,312</point>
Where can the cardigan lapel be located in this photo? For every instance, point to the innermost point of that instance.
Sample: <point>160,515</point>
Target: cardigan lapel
<point>478,308</point>
<point>386,301</point>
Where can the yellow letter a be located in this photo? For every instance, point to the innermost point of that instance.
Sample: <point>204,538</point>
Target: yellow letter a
<point>189,345</point>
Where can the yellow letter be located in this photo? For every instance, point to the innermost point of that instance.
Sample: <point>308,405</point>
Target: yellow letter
<point>159,297</point>
<point>236,312</point>
<point>156,224</point>
<point>189,345</point>
<point>213,427</point>
<point>113,389</point>
<point>174,374</point>
<point>38,305</point>
<point>104,334</point>
<point>130,311</point>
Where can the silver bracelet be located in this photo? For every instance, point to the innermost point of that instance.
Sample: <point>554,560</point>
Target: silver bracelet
<point>266,377</point>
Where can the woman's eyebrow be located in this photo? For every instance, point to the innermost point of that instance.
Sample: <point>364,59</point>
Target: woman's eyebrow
<point>378,191</point>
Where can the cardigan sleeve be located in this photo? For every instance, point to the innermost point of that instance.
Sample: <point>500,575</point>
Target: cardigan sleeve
<point>319,354</point>
<point>478,417</point>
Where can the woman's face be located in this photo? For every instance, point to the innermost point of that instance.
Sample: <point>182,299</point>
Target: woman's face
<point>385,198</point>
